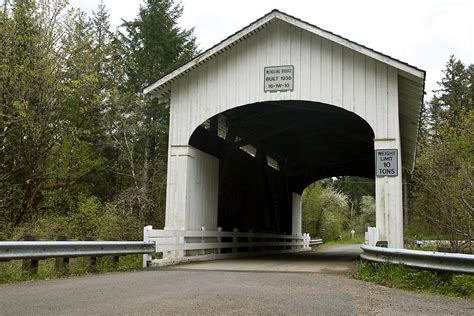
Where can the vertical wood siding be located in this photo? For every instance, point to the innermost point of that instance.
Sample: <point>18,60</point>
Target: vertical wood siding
<point>324,72</point>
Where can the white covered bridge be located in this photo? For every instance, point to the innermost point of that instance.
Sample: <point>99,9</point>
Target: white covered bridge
<point>273,108</point>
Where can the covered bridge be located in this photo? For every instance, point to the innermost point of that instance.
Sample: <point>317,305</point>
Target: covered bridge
<point>276,106</point>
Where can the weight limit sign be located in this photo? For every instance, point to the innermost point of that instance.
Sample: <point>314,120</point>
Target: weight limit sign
<point>386,163</point>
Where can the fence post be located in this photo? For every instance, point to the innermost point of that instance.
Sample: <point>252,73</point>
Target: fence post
<point>373,234</point>
<point>283,240</point>
<point>61,263</point>
<point>250,240</point>
<point>219,239</point>
<point>203,240</point>
<point>235,239</point>
<point>146,238</point>
<point>30,265</point>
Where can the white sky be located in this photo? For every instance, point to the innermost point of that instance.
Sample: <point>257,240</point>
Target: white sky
<point>423,33</point>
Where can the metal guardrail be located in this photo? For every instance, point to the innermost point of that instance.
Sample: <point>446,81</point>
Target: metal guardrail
<point>315,242</point>
<point>16,250</point>
<point>438,261</point>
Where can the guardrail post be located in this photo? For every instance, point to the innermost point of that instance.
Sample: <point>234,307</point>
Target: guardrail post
<point>219,239</point>
<point>30,265</point>
<point>235,239</point>
<point>61,263</point>
<point>91,261</point>
<point>146,238</point>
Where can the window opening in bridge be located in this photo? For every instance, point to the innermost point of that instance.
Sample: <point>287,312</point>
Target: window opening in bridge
<point>222,129</point>
<point>249,149</point>
<point>206,125</point>
<point>272,163</point>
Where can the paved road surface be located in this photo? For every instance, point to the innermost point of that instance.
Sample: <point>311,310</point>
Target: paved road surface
<point>231,289</point>
<point>336,259</point>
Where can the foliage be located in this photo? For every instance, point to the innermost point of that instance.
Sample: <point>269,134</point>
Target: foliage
<point>443,187</point>
<point>400,276</point>
<point>367,212</point>
<point>83,152</point>
<point>333,207</point>
<point>12,271</point>
<point>345,241</point>
<point>323,211</point>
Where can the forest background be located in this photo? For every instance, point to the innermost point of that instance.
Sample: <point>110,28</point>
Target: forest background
<point>83,152</point>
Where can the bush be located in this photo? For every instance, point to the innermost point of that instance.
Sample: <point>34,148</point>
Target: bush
<point>323,211</point>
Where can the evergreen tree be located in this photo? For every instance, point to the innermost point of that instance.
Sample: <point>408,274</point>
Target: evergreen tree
<point>443,178</point>
<point>155,45</point>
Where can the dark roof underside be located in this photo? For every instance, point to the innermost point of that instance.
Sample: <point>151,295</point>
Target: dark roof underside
<point>310,141</point>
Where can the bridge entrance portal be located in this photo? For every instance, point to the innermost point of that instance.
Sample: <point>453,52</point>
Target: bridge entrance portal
<point>275,107</point>
<point>269,152</point>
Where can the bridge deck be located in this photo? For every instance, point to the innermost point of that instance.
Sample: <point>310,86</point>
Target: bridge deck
<point>336,259</point>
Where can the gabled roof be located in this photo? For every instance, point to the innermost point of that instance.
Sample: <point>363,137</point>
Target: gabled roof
<point>409,71</point>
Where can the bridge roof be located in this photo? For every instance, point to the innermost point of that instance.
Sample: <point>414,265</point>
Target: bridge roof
<point>410,85</point>
<point>406,69</point>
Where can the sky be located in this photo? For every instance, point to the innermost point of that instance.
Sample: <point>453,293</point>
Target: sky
<point>423,33</point>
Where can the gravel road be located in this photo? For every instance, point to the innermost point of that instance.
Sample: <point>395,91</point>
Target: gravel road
<point>202,290</point>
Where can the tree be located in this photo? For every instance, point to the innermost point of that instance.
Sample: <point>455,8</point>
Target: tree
<point>154,45</point>
<point>324,211</point>
<point>443,178</point>
<point>367,215</point>
<point>31,65</point>
<point>355,188</point>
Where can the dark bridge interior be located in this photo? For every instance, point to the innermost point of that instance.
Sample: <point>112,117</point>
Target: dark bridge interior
<point>309,141</point>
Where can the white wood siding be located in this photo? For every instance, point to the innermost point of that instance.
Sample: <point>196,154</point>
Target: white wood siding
<point>324,72</point>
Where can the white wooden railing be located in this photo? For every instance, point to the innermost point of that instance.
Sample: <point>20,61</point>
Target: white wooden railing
<point>174,246</point>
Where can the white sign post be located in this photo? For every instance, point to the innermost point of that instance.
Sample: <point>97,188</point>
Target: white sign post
<point>278,78</point>
<point>386,162</point>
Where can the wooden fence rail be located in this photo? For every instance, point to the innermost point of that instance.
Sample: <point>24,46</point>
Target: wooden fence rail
<point>197,245</point>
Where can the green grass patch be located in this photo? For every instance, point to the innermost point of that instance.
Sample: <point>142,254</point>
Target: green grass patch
<point>11,271</point>
<point>357,240</point>
<point>402,277</point>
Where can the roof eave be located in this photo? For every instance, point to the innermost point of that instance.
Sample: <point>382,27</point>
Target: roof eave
<point>216,49</point>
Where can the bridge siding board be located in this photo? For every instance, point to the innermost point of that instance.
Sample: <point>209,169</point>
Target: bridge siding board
<point>337,77</point>
<point>315,83</point>
<point>305,81</point>
<point>295,59</point>
<point>326,71</point>
<point>392,117</point>
<point>381,95</point>
<point>359,85</point>
<point>370,94</point>
<point>348,79</point>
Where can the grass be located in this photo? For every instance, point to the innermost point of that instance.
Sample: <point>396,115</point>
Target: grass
<point>356,240</point>
<point>11,272</point>
<point>402,277</point>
